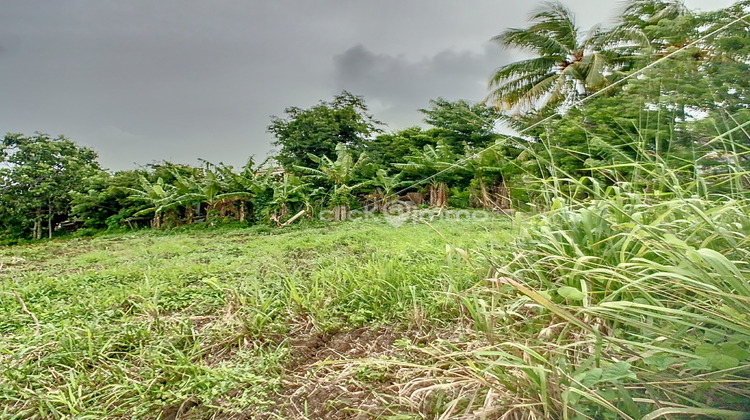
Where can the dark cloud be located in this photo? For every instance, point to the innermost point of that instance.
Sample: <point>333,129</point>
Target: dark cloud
<point>140,80</point>
<point>396,86</point>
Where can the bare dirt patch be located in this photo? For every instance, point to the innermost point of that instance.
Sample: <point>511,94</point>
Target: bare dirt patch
<point>340,376</point>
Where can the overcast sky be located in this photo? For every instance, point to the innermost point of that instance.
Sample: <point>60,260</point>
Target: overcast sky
<point>142,81</point>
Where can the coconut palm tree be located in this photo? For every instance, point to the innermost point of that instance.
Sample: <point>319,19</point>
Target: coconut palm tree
<point>648,29</point>
<point>567,63</point>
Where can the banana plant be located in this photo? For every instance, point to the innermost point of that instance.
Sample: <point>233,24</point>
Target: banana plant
<point>213,189</point>
<point>292,192</point>
<point>385,187</point>
<point>342,173</point>
<point>243,185</point>
<point>492,168</point>
<point>438,164</point>
<point>159,196</point>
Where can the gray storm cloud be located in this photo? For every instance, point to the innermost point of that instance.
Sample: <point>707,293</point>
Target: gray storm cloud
<point>141,81</point>
<point>396,86</point>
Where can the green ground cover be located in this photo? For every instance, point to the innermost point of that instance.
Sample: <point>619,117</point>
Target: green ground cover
<point>199,322</point>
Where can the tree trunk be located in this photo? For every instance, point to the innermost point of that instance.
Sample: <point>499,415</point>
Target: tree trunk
<point>49,222</point>
<point>189,214</point>
<point>210,212</point>
<point>242,211</point>
<point>485,200</point>
<point>340,213</point>
<point>378,203</point>
<point>492,198</point>
<point>295,217</point>
<point>170,218</point>
<point>156,223</point>
<point>38,224</point>
<point>503,194</point>
<point>438,195</point>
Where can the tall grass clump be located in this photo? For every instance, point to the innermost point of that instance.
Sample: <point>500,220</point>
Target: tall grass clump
<point>626,298</point>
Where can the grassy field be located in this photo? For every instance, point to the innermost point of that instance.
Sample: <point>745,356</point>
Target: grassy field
<point>320,321</point>
<point>629,306</point>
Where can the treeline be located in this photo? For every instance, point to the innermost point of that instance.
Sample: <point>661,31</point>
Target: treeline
<point>666,87</point>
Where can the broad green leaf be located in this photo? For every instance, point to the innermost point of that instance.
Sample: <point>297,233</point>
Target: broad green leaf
<point>660,362</point>
<point>721,361</point>
<point>617,371</point>
<point>699,364</point>
<point>739,338</point>
<point>705,350</point>
<point>571,293</point>
<point>735,350</point>
<point>591,377</point>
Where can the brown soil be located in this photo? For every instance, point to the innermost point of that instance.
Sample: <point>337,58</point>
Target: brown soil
<point>352,375</point>
<point>329,378</point>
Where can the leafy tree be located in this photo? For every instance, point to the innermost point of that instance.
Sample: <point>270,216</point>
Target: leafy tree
<point>318,130</point>
<point>566,63</point>
<point>390,148</point>
<point>37,181</point>
<point>104,201</point>
<point>461,123</point>
<point>458,124</point>
<point>652,27</point>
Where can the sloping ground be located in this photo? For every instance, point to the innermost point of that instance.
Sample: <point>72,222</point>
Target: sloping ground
<point>326,321</point>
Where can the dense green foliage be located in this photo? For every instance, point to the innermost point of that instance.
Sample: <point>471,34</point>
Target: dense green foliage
<point>38,179</point>
<point>320,129</point>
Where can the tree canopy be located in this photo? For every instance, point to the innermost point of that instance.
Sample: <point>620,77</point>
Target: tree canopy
<point>567,63</point>
<point>38,180</point>
<point>318,130</point>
